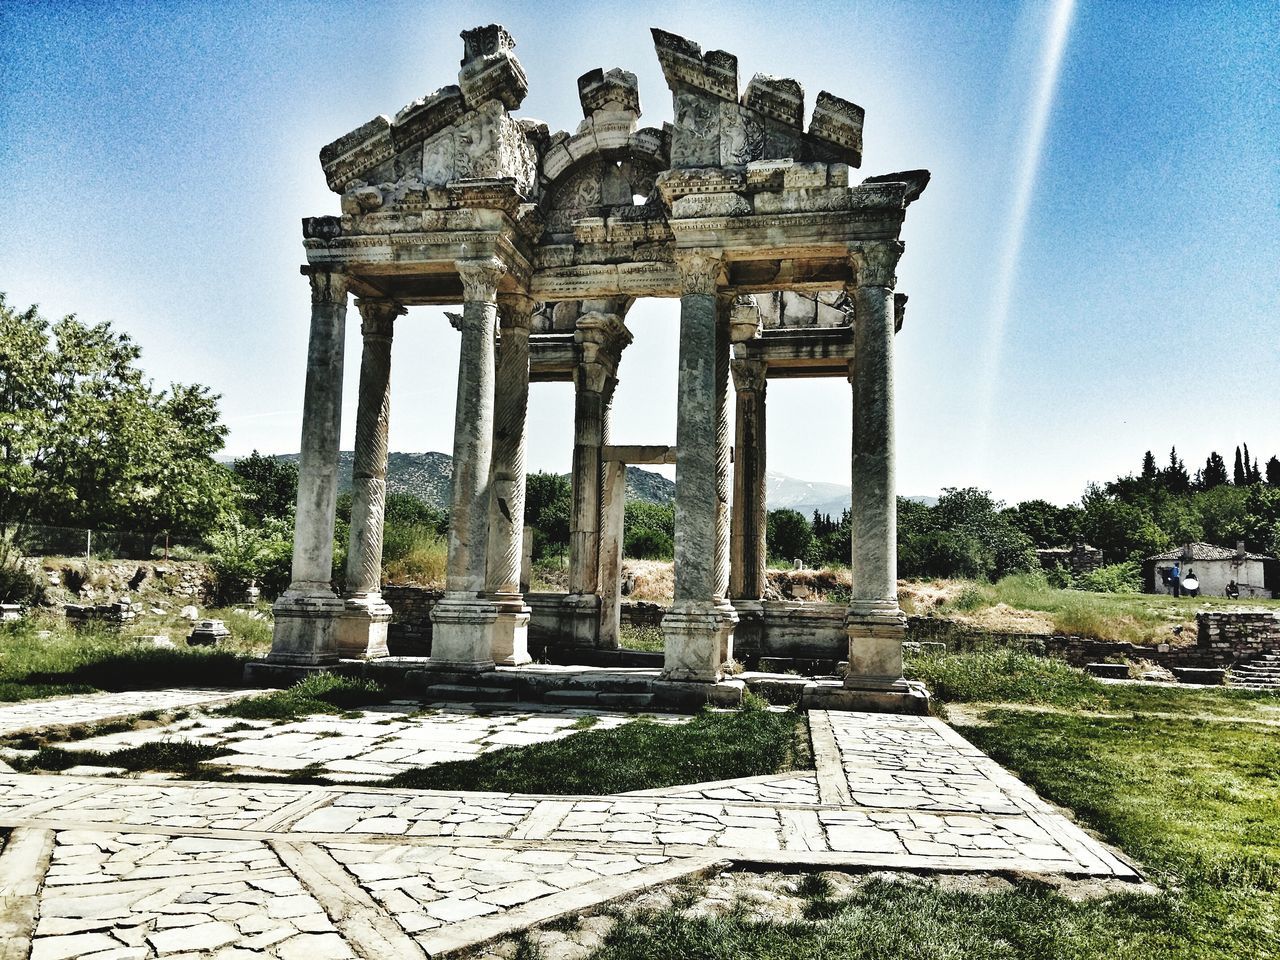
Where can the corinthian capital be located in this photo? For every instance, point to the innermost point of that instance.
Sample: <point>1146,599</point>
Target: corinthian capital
<point>328,286</point>
<point>699,271</point>
<point>875,261</point>
<point>516,310</point>
<point>377,317</point>
<point>480,278</point>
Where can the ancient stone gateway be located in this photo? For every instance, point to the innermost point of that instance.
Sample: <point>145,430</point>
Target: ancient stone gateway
<point>781,267</point>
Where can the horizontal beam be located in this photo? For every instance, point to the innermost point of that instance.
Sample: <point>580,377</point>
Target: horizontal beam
<point>639,455</point>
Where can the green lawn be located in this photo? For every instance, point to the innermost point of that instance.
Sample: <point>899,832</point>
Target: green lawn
<point>1124,617</point>
<point>70,661</point>
<point>640,755</point>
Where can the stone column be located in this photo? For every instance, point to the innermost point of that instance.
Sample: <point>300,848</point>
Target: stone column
<point>463,619</point>
<point>747,569</point>
<point>510,645</point>
<point>600,338</point>
<point>362,632</point>
<point>306,615</point>
<point>876,625</point>
<point>699,625</point>
<point>613,514</point>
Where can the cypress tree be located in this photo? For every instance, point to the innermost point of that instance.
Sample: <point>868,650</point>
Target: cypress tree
<point>1238,475</point>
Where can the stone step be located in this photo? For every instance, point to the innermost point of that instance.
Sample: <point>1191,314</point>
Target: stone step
<point>599,698</point>
<point>466,692</point>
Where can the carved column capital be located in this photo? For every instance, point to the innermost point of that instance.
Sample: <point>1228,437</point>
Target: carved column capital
<point>516,310</point>
<point>328,286</point>
<point>480,278</point>
<point>699,271</point>
<point>875,261</point>
<point>377,317</point>
<point>749,375</point>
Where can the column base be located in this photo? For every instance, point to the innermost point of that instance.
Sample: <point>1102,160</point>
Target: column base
<point>306,626</point>
<point>362,628</point>
<point>876,630</point>
<point>462,626</point>
<point>699,640</point>
<point>580,615</point>
<point>865,695</point>
<point>510,639</point>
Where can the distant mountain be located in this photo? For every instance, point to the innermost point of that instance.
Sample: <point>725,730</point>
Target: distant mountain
<point>806,496</point>
<point>429,477</point>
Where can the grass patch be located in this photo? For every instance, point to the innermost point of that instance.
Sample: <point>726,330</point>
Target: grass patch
<point>1004,676</point>
<point>1126,617</point>
<point>649,639</point>
<point>639,755</point>
<point>322,693</point>
<point>69,661</point>
<point>176,756</point>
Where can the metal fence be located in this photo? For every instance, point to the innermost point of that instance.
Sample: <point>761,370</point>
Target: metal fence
<point>35,540</point>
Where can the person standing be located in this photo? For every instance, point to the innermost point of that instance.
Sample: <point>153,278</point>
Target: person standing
<point>1175,579</point>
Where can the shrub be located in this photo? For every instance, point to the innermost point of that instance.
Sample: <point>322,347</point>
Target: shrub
<point>648,544</point>
<point>415,554</point>
<point>789,535</point>
<point>1113,578</point>
<point>240,555</point>
<point>17,583</point>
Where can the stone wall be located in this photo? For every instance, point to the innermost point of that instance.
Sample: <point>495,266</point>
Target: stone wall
<point>409,633</point>
<point>1222,640</point>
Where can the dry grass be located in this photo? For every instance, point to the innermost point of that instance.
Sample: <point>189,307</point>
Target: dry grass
<point>655,580</point>
<point>423,562</point>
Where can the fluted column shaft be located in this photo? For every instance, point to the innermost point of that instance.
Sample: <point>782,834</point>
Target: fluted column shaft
<point>747,569</point>
<point>306,613</point>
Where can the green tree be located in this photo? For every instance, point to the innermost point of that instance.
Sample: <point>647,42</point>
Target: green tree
<point>1046,524</point>
<point>1149,471</point>
<point>1175,477</point>
<point>789,535</point>
<point>267,486</point>
<point>1214,473</point>
<point>1239,477</point>
<point>86,441</point>
<point>1273,472</point>
<point>548,504</point>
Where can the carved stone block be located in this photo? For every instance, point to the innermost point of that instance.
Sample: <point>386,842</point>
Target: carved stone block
<point>838,123</point>
<point>711,205</point>
<point>496,76</point>
<point>683,64</point>
<point>779,98</point>
<point>426,116</point>
<point>352,156</point>
<point>617,90</point>
<point>480,42</point>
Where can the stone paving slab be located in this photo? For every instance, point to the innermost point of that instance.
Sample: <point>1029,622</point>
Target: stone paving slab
<point>30,715</point>
<point>378,744</point>
<point>131,869</point>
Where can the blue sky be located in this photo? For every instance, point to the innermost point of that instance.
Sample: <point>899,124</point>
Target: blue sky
<point>155,160</point>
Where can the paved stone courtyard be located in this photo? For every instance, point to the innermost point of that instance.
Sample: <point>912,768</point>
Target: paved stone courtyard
<point>118,868</point>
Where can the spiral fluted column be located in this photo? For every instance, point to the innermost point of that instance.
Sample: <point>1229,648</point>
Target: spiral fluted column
<point>363,629</point>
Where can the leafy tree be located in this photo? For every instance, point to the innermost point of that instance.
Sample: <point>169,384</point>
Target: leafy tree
<point>86,441</point>
<point>789,535</point>
<point>648,530</point>
<point>1273,472</point>
<point>1214,473</point>
<point>1120,529</point>
<point>1046,524</point>
<point>267,486</point>
<point>241,554</point>
<point>548,505</point>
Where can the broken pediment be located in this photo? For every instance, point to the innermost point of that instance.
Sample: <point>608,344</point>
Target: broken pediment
<point>714,127</point>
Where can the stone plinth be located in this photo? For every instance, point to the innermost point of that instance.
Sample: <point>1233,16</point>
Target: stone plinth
<point>207,633</point>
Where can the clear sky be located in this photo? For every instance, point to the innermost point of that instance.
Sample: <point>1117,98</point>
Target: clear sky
<point>1093,271</point>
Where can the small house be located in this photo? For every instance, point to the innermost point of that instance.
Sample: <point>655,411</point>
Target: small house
<point>1214,568</point>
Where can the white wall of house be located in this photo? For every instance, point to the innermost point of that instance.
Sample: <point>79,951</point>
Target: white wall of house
<point>1214,575</point>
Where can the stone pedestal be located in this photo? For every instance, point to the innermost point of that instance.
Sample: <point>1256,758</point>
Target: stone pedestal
<point>308,612</point>
<point>510,636</point>
<point>362,631</point>
<point>699,626</point>
<point>463,620</point>
<point>875,623</point>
